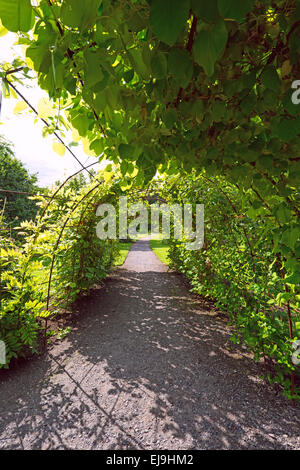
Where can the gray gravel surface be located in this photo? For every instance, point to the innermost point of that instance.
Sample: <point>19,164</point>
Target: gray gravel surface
<point>146,366</point>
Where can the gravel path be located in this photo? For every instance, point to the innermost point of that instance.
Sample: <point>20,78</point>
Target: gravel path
<point>146,366</point>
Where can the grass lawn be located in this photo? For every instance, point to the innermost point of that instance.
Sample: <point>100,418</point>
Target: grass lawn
<point>161,249</point>
<point>124,248</point>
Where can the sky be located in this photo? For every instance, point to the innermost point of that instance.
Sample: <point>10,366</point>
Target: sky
<point>30,146</point>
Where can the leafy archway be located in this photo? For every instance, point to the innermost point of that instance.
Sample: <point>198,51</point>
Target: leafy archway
<point>176,86</point>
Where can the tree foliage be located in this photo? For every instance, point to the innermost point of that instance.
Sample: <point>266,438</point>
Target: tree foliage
<point>15,177</point>
<point>183,90</point>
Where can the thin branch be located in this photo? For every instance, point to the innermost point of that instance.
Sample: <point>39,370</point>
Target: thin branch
<point>10,191</point>
<point>9,72</point>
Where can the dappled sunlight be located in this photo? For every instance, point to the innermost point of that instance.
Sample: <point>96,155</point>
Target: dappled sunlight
<point>143,369</point>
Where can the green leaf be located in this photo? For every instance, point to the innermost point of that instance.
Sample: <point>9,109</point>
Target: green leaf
<point>270,79</point>
<point>16,15</point>
<point>248,155</point>
<point>128,75</point>
<point>167,19</point>
<point>209,47</point>
<point>40,56</point>
<point>100,101</point>
<point>81,122</point>
<point>180,66</point>
<point>235,9</point>
<point>126,168</point>
<point>159,65</point>
<point>218,110</point>
<point>207,11</point>
<point>198,109</point>
<point>126,151</point>
<point>248,80</point>
<point>288,129</point>
<point>170,118</point>
<point>291,236</point>
<point>111,95</point>
<point>283,214</point>
<point>81,15</point>
<point>140,65</point>
<point>266,161</point>
<point>248,104</point>
<point>98,146</point>
<point>293,279</point>
<point>93,71</point>
<point>123,167</point>
<point>269,98</point>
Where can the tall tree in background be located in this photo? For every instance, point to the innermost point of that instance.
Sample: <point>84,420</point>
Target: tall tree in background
<point>15,177</point>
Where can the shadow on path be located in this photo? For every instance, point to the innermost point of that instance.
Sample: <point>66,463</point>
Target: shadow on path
<point>147,366</point>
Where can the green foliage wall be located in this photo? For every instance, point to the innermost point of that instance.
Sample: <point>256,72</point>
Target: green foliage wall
<point>61,259</point>
<point>239,270</point>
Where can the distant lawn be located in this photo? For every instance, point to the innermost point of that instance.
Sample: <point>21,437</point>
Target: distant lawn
<point>124,249</point>
<point>142,235</point>
<point>161,249</point>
